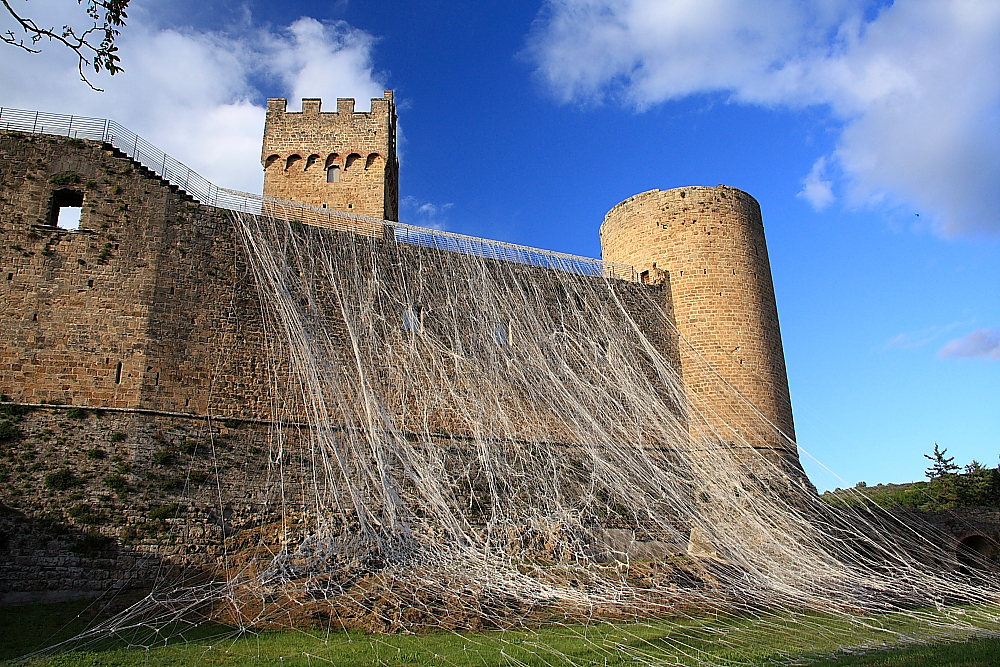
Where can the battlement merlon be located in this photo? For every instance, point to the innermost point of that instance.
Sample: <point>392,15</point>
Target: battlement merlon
<point>282,126</point>
<point>345,105</point>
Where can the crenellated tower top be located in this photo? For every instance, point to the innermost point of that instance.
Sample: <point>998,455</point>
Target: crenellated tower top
<point>344,159</point>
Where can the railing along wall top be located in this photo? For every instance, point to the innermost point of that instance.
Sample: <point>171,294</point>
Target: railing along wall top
<point>199,188</point>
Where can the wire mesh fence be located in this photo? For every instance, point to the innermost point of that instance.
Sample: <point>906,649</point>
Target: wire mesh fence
<point>189,182</point>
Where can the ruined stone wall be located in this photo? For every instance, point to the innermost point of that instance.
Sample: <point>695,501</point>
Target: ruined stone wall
<point>343,160</point>
<point>160,284</point>
<point>130,309</point>
<point>710,241</point>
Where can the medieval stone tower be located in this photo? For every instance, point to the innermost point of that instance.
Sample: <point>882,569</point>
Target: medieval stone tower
<point>709,243</point>
<point>344,160</point>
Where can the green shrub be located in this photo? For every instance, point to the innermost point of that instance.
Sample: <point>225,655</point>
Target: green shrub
<point>65,179</point>
<point>61,480</point>
<point>189,447</point>
<point>117,436</point>
<point>77,413</point>
<point>232,423</point>
<point>163,457</point>
<point>92,543</point>
<point>172,484</point>
<point>96,453</point>
<point>86,515</point>
<point>14,410</point>
<point>163,512</point>
<point>118,484</point>
<point>9,432</point>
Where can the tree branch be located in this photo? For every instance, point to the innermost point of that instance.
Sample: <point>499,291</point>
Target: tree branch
<point>100,55</point>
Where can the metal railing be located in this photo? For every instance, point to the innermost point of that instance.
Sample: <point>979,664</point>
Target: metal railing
<point>190,182</point>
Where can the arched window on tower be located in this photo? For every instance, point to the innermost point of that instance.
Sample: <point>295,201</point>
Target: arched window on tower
<point>311,160</point>
<point>333,174</point>
<point>373,158</point>
<point>351,159</point>
<point>271,159</point>
<point>292,159</point>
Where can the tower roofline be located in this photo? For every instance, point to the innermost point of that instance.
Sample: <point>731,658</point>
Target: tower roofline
<point>314,104</point>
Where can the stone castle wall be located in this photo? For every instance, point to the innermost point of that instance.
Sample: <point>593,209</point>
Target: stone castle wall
<point>343,160</point>
<point>130,309</point>
<point>710,242</point>
<point>151,308</point>
<point>159,284</point>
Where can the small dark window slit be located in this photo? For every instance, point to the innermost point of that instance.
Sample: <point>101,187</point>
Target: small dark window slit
<point>118,373</point>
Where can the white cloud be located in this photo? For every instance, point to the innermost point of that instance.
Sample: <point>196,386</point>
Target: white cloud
<point>313,58</point>
<point>915,339</point>
<point>816,189</point>
<point>424,214</point>
<point>195,94</point>
<point>914,82</point>
<point>980,344</point>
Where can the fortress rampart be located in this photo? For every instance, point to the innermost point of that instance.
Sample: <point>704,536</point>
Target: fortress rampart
<point>150,304</point>
<point>151,307</point>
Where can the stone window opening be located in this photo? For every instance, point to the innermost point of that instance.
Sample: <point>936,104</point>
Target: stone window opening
<point>10,276</point>
<point>66,209</point>
<point>333,174</point>
<point>351,159</point>
<point>503,333</point>
<point>370,160</point>
<point>310,161</point>
<point>292,159</point>
<point>271,159</point>
<point>413,319</point>
<point>118,373</point>
<point>644,277</point>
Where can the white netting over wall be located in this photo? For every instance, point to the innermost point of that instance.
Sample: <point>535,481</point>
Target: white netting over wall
<point>493,445</point>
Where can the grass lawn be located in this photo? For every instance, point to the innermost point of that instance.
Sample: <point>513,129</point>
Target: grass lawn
<point>733,641</point>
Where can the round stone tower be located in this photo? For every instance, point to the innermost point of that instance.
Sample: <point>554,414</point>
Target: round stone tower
<point>710,242</point>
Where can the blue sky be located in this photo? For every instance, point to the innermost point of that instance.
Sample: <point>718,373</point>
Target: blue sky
<point>868,131</point>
